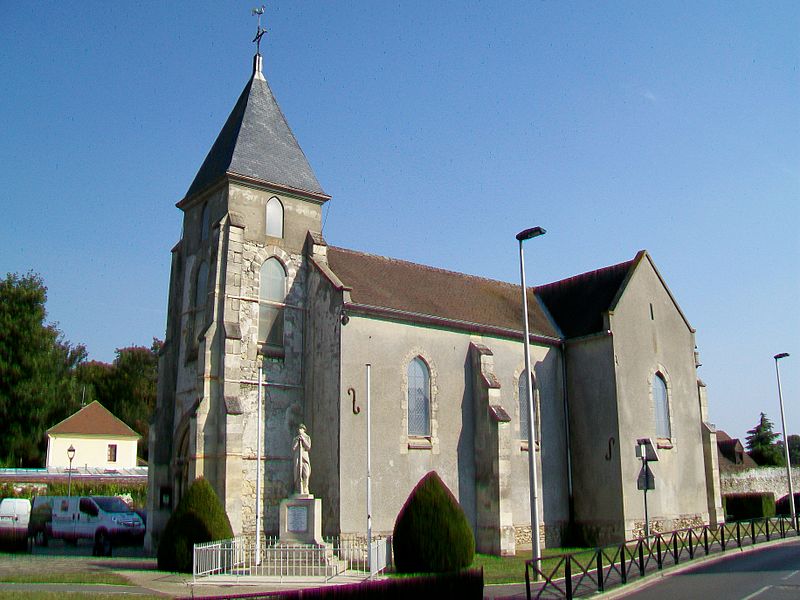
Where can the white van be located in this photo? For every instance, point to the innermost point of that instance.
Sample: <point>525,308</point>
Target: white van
<point>15,513</point>
<point>106,520</point>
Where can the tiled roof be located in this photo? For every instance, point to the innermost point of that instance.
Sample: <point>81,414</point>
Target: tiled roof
<point>722,436</point>
<point>414,289</point>
<point>256,142</point>
<point>578,303</point>
<point>727,449</point>
<point>94,419</point>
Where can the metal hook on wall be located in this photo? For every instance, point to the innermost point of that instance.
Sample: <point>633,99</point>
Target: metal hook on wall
<point>611,442</point>
<point>352,392</point>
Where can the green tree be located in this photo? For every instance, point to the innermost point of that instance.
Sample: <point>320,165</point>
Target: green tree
<point>762,446</point>
<point>38,387</point>
<point>127,387</point>
<point>794,450</point>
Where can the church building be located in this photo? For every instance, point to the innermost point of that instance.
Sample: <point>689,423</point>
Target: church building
<point>258,295</point>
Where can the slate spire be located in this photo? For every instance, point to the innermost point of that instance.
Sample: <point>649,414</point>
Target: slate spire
<point>256,142</point>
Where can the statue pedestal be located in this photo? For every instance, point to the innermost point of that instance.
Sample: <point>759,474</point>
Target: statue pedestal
<point>301,520</point>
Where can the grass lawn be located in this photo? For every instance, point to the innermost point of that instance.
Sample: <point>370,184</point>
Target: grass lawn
<point>511,569</point>
<point>77,576</point>
<point>26,568</point>
<point>11,595</point>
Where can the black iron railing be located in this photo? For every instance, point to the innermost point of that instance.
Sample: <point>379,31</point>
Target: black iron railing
<point>587,572</point>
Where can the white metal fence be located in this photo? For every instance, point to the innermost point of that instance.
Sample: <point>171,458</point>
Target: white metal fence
<point>237,558</point>
<point>380,555</point>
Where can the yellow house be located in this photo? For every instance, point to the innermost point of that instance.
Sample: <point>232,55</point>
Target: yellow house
<point>98,438</point>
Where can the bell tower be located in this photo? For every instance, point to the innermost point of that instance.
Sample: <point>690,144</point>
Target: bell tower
<point>236,307</point>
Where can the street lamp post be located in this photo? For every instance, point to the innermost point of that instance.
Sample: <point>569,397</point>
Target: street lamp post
<point>70,456</point>
<point>777,357</point>
<point>536,543</point>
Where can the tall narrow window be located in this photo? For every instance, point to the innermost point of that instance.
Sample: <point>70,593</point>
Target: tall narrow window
<point>523,408</point>
<point>200,297</point>
<point>419,398</point>
<point>112,453</point>
<point>274,217</point>
<point>661,398</point>
<point>205,222</point>
<point>272,290</point>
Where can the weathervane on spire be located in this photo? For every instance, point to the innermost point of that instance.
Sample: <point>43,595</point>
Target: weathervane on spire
<point>260,32</point>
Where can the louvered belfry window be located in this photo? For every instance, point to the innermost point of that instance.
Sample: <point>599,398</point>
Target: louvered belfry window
<point>419,398</point>
<point>661,399</point>
<point>272,295</point>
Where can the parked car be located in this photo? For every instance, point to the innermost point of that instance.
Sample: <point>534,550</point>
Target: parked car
<point>106,520</point>
<point>15,513</point>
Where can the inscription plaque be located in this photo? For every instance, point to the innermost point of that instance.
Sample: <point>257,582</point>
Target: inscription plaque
<point>297,519</point>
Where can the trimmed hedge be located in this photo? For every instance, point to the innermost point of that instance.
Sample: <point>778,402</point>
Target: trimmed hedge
<point>432,534</point>
<point>137,491</point>
<point>748,505</point>
<point>782,506</point>
<point>199,517</point>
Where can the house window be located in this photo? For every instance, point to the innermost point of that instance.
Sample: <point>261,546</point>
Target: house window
<point>419,398</point>
<point>272,294</point>
<point>523,408</point>
<point>661,399</point>
<point>112,453</point>
<point>200,297</point>
<point>274,217</point>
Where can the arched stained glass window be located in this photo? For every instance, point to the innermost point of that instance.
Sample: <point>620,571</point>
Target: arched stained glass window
<point>419,398</point>
<point>661,399</point>
<point>523,407</point>
<point>272,288</point>
<point>274,217</point>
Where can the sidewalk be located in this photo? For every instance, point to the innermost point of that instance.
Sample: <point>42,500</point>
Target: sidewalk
<point>175,585</point>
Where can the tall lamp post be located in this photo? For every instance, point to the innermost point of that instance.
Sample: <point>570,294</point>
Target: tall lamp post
<point>536,543</point>
<point>777,357</point>
<point>70,456</point>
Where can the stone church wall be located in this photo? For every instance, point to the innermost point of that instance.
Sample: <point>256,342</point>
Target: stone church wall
<point>595,437</point>
<point>324,395</point>
<point>651,336</point>
<point>398,462</point>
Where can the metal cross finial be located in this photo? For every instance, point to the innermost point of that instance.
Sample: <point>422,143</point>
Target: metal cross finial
<point>260,32</point>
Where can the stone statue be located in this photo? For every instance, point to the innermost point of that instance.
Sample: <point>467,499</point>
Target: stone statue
<point>302,463</point>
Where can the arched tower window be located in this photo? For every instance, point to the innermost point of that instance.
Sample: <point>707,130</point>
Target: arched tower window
<point>271,295</point>
<point>523,407</point>
<point>274,217</point>
<point>661,399</point>
<point>419,398</point>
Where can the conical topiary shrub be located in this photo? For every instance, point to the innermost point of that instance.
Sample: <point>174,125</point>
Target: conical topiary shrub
<point>198,518</point>
<point>431,534</point>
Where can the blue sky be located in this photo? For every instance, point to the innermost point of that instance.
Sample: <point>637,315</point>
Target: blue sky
<point>440,129</point>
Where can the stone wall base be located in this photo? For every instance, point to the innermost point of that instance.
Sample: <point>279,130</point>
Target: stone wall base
<point>550,535</point>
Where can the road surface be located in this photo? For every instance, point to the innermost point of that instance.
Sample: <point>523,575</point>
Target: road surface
<point>769,572</point>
